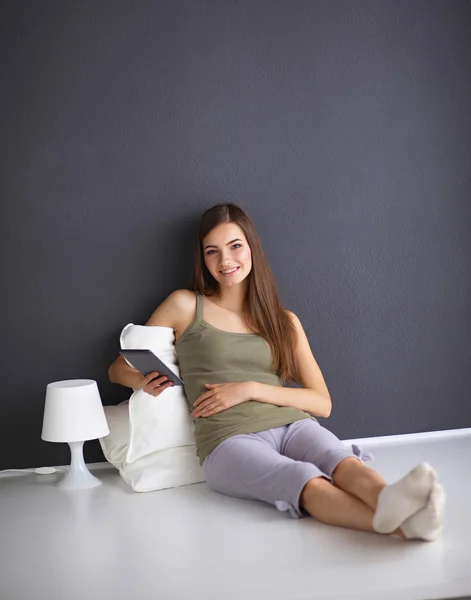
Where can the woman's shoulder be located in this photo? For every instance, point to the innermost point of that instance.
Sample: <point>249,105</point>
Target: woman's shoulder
<point>174,310</point>
<point>182,295</point>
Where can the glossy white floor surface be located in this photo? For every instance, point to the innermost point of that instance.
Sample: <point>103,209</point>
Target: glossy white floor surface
<point>110,543</point>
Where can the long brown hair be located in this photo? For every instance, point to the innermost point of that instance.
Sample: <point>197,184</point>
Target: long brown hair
<point>262,304</point>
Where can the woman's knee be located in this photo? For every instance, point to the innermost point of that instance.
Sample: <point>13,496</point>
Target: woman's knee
<point>343,465</point>
<point>313,487</point>
<point>330,459</point>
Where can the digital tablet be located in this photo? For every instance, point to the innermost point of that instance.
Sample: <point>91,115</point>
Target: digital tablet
<point>145,361</point>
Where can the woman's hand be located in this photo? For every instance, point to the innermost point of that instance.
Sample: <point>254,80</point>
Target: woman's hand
<point>152,384</point>
<point>220,396</point>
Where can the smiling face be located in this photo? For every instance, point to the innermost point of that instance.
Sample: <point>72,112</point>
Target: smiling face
<point>225,247</point>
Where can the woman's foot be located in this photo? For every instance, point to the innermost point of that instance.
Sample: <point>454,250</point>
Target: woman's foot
<point>427,523</point>
<point>399,501</point>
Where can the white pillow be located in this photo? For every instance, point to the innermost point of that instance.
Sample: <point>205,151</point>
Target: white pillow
<point>162,422</point>
<point>115,444</point>
<point>165,469</point>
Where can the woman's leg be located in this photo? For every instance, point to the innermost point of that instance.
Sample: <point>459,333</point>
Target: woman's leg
<point>392,505</point>
<point>307,440</point>
<point>365,483</point>
<point>357,479</point>
<point>249,466</point>
<point>333,506</point>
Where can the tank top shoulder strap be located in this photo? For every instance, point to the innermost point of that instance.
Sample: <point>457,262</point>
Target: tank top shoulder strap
<point>196,322</point>
<point>199,308</point>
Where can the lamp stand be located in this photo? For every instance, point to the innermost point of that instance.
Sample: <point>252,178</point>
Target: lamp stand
<point>78,477</point>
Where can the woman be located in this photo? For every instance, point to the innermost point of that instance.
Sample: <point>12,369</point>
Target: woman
<point>255,437</point>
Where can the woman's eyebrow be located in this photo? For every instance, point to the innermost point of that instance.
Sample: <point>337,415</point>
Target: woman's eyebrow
<point>231,242</point>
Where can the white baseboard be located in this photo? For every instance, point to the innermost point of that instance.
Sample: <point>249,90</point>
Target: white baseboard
<point>385,440</point>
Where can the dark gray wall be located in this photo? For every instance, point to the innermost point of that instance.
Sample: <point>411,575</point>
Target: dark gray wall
<point>343,128</point>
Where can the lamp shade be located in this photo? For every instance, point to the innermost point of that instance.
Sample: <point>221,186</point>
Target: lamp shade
<point>73,412</point>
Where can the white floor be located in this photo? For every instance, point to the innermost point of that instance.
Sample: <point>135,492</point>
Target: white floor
<point>110,543</point>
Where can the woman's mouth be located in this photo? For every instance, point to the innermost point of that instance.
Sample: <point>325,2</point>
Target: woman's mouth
<point>230,272</point>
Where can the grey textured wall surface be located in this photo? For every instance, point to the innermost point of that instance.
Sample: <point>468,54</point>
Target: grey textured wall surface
<point>344,130</point>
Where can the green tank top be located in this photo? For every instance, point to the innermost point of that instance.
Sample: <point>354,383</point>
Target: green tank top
<point>207,354</point>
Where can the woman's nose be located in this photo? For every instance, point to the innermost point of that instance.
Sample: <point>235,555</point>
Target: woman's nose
<point>225,260</point>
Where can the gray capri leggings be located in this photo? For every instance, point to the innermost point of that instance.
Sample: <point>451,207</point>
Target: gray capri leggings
<point>274,465</point>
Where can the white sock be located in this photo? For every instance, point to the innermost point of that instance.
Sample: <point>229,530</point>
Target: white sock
<point>399,501</point>
<point>427,523</point>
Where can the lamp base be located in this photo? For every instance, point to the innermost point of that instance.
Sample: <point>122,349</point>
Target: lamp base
<point>78,477</point>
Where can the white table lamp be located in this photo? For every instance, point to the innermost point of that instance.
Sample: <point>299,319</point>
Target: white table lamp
<point>73,413</point>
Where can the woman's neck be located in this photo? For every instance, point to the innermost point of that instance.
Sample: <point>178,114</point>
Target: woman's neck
<point>232,299</point>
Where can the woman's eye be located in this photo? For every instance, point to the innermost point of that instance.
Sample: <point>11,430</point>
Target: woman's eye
<point>215,250</point>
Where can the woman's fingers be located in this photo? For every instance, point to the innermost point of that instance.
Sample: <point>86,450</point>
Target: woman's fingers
<point>210,412</point>
<point>153,383</point>
<point>203,410</point>
<point>157,385</point>
<point>161,388</point>
<point>150,376</point>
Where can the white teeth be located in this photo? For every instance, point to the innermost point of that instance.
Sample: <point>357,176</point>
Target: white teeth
<point>231,271</point>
